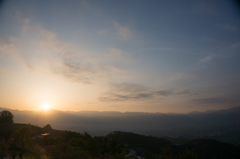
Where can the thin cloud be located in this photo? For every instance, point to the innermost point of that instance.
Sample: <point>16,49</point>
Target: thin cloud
<point>134,92</point>
<point>206,59</point>
<point>173,93</point>
<point>123,32</point>
<point>118,97</point>
<point>26,26</point>
<point>127,87</point>
<point>164,93</point>
<point>61,59</point>
<point>184,92</point>
<point>8,46</point>
<point>157,49</point>
<point>70,66</point>
<point>74,71</point>
<point>210,100</point>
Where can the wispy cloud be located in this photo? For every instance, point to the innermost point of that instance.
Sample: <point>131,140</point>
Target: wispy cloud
<point>9,46</point>
<point>61,58</point>
<point>6,47</point>
<point>206,59</point>
<point>127,87</point>
<point>185,92</point>
<point>164,93</point>
<point>43,49</point>
<point>117,97</point>
<point>157,49</point>
<point>26,26</point>
<point>123,31</point>
<point>210,100</point>
<point>73,70</point>
<point>69,65</point>
<point>134,92</point>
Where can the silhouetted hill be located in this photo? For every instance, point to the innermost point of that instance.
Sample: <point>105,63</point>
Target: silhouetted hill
<point>67,144</point>
<point>208,148</point>
<point>151,147</point>
<point>138,141</point>
<point>222,125</point>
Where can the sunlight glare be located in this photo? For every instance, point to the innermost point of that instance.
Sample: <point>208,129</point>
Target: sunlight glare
<point>45,107</point>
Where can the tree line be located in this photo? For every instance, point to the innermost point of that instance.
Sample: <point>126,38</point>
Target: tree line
<point>36,142</point>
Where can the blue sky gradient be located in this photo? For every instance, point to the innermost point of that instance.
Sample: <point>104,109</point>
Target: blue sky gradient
<point>151,56</point>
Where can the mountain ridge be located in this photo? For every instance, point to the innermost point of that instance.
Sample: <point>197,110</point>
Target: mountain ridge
<point>222,125</point>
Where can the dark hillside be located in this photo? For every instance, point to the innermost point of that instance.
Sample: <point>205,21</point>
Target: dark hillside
<point>64,144</point>
<point>151,147</point>
<point>140,142</point>
<point>208,148</point>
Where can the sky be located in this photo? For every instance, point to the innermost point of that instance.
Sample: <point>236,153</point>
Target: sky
<point>138,55</point>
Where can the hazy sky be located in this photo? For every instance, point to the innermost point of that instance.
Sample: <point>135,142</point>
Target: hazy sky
<point>128,55</point>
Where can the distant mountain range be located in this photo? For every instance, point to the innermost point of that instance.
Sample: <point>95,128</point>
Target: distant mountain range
<point>223,125</point>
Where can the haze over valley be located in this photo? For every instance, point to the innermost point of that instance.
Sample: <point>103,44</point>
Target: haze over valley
<point>223,125</point>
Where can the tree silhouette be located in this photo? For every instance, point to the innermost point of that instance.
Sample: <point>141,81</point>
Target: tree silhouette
<point>22,135</point>
<point>6,136</point>
<point>47,127</point>
<point>6,117</point>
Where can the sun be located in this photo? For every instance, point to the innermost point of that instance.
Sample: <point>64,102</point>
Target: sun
<point>45,106</point>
